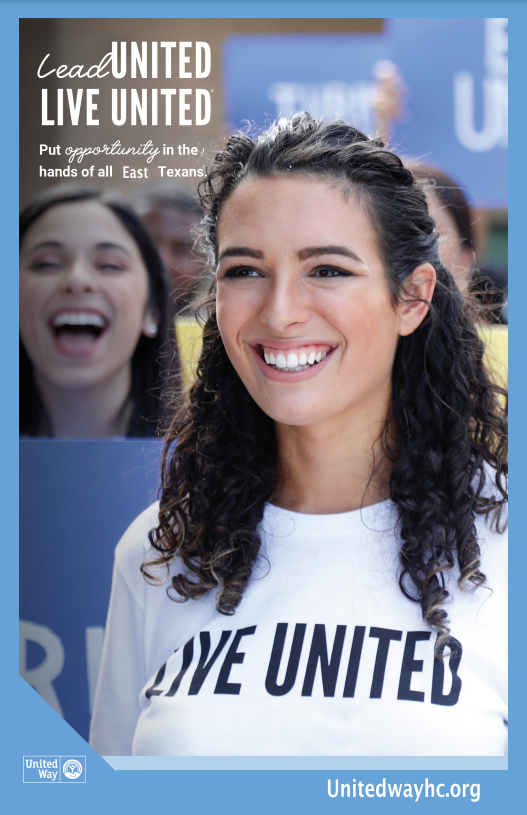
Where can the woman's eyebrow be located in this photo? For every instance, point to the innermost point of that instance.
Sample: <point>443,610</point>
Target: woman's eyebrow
<point>47,245</point>
<point>238,251</point>
<point>58,245</point>
<point>316,251</point>
<point>106,245</point>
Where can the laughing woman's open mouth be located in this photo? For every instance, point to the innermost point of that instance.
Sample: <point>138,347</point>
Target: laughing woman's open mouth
<point>77,332</point>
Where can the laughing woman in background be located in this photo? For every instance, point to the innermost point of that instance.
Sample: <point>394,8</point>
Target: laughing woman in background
<point>331,523</point>
<point>92,319</point>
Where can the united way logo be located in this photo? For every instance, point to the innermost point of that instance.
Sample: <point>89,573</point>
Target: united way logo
<point>54,769</point>
<point>72,769</point>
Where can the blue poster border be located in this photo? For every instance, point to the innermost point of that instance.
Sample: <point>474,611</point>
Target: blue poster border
<point>31,727</point>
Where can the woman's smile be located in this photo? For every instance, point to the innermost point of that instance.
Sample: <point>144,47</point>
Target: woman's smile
<point>291,360</point>
<point>76,331</point>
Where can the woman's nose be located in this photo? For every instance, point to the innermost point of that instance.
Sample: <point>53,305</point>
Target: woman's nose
<point>285,305</point>
<point>78,278</point>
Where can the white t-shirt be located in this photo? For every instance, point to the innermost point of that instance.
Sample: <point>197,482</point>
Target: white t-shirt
<point>324,655</point>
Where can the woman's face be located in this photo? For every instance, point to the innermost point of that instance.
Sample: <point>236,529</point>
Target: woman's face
<point>83,295</point>
<point>301,285</point>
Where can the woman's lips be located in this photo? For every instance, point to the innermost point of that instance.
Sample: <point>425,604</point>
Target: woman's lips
<point>293,354</point>
<point>77,332</point>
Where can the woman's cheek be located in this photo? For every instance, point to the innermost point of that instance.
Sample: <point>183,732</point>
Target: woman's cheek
<point>130,304</point>
<point>229,311</point>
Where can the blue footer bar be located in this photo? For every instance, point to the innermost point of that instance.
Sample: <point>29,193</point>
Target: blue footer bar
<point>307,763</point>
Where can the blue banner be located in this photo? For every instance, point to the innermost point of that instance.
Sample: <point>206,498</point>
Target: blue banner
<point>454,96</point>
<point>76,499</point>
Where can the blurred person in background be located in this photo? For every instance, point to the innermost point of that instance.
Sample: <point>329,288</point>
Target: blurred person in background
<point>454,220</point>
<point>450,210</point>
<point>92,318</point>
<point>171,215</point>
<point>447,203</point>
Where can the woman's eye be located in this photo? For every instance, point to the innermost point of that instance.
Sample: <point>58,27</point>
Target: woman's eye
<point>45,265</point>
<point>242,271</point>
<point>330,271</point>
<point>111,267</point>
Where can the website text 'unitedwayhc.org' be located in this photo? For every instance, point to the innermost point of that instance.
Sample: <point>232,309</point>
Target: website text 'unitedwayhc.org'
<point>358,789</point>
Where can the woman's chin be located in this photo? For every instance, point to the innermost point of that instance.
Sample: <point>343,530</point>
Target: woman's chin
<point>74,379</point>
<point>295,415</point>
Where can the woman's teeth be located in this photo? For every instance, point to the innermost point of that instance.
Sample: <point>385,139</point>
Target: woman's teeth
<point>293,361</point>
<point>66,318</point>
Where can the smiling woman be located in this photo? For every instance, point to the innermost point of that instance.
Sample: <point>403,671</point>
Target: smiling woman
<point>92,319</point>
<point>334,488</point>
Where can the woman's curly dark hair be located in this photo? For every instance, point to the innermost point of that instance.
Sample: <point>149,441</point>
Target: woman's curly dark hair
<point>447,417</point>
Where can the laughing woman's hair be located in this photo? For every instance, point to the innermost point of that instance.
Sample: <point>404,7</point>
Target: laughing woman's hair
<point>151,355</point>
<point>447,417</point>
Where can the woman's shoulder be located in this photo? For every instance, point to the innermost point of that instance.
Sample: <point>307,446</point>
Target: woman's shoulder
<point>134,545</point>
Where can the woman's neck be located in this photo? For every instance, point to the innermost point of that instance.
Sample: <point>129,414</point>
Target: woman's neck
<point>332,467</point>
<point>97,411</point>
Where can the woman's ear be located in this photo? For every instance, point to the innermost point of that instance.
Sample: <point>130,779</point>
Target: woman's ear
<point>150,322</point>
<point>419,289</point>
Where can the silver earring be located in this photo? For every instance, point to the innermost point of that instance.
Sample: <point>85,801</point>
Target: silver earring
<point>152,329</point>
